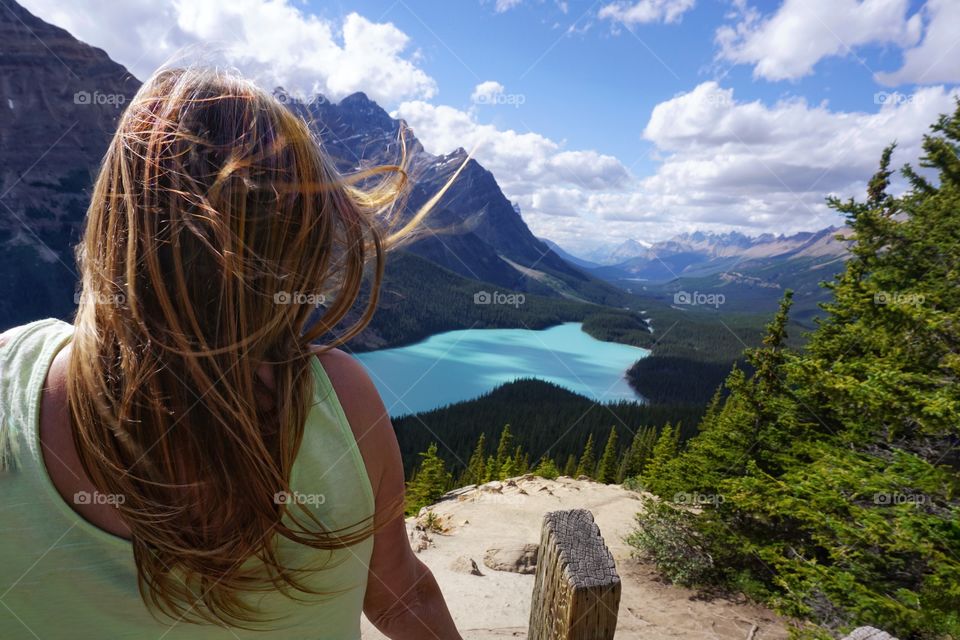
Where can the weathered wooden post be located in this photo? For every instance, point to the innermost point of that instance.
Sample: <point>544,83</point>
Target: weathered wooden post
<point>576,593</point>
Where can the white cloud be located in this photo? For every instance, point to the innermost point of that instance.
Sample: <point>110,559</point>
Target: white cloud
<point>788,44</point>
<point>769,167</point>
<point>271,41</point>
<point>559,201</point>
<point>487,92</point>
<point>646,11</point>
<point>937,58</point>
<point>502,6</point>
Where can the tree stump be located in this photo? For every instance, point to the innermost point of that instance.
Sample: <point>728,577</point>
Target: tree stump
<point>576,594</point>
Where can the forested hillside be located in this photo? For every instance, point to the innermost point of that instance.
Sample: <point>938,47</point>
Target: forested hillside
<point>547,421</point>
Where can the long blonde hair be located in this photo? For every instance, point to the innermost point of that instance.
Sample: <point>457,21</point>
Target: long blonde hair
<point>215,226</point>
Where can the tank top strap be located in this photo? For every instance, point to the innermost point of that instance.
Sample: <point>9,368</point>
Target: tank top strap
<point>25,357</point>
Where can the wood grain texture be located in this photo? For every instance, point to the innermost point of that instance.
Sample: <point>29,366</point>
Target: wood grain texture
<point>576,593</point>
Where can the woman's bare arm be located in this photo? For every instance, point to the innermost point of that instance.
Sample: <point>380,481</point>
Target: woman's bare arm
<point>403,599</point>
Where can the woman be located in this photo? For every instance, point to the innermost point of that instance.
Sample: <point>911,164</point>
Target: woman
<point>183,461</point>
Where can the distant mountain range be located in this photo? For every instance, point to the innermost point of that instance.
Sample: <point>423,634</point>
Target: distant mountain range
<point>757,268</point>
<point>615,254</point>
<point>700,253</point>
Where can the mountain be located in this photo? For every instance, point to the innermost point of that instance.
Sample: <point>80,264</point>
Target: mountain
<point>474,230</point>
<point>622,252</point>
<point>569,257</point>
<point>59,103</point>
<point>60,100</point>
<point>751,273</point>
<point>701,253</point>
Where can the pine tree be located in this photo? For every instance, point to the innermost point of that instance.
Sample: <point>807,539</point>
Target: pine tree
<point>570,467</point>
<point>639,453</point>
<point>607,469</point>
<point>547,468</point>
<point>508,469</point>
<point>491,470</point>
<point>755,423</point>
<point>430,481</point>
<point>521,462</point>
<point>588,460</point>
<point>668,444</point>
<point>504,447</point>
<point>475,473</point>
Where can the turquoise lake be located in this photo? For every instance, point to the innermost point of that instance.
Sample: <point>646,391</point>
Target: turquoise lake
<point>461,365</point>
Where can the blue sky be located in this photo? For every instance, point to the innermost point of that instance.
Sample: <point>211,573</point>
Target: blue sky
<point>591,82</point>
<point>603,120</point>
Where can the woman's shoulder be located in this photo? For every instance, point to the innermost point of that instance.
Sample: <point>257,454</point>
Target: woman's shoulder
<point>364,409</point>
<point>9,336</point>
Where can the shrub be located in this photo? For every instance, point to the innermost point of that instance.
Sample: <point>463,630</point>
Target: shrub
<point>666,535</point>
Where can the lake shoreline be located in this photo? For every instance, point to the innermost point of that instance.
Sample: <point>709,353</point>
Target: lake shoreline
<point>461,365</point>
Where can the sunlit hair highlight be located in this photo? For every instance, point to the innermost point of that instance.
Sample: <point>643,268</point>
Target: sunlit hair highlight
<point>215,224</point>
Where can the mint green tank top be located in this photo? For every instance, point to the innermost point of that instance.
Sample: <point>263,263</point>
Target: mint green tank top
<point>62,577</point>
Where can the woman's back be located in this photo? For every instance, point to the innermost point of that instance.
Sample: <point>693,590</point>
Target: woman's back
<point>65,577</point>
<point>177,462</point>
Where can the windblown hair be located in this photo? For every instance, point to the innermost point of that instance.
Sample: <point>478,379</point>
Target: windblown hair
<point>215,225</point>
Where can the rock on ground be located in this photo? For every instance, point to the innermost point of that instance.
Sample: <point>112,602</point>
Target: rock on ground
<point>868,633</point>
<point>518,558</point>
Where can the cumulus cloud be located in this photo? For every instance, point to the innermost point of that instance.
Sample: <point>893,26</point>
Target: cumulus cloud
<point>271,41</point>
<point>559,201</point>
<point>771,166</point>
<point>487,92</point>
<point>646,11</point>
<point>788,44</point>
<point>523,163</point>
<point>937,57</point>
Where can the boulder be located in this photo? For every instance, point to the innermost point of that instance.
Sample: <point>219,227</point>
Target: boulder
<point>868,633</point>
<point>459,493</point>
<point>520,558</point>
<point>463,564</point>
